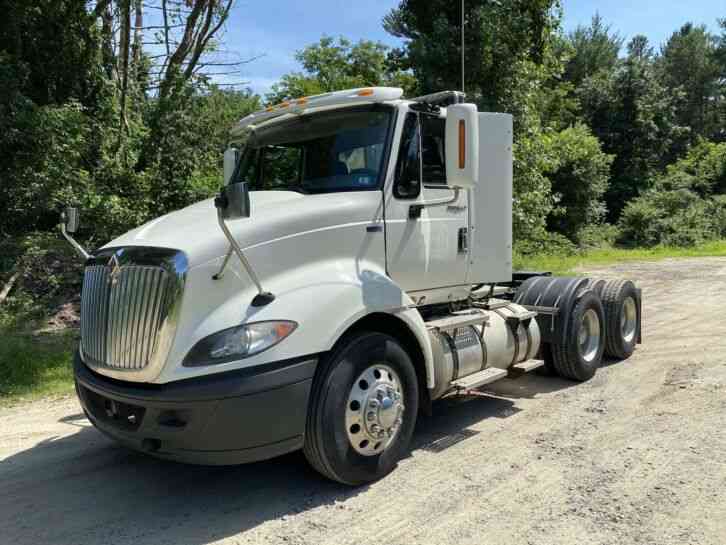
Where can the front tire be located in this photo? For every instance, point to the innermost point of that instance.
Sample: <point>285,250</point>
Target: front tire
<point>363,408</point>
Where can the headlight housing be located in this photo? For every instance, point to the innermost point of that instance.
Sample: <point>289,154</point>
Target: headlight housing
<point>239,342</point>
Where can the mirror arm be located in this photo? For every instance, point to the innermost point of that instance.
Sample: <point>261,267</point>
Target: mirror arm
<point>77,247</point>
<point>414,212</point>
<point>219,275</point>
<point>262,298</point>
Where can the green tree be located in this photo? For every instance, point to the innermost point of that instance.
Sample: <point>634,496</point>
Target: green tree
<point>591,49</point>
<point>580,174</point>
<point>331,65</point>
<point>510,58</point>
<point>56,44</point>
<point>634,116</point>
<point>689,63</point>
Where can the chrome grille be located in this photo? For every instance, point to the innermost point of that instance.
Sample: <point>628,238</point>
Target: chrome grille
<point>124,308</point>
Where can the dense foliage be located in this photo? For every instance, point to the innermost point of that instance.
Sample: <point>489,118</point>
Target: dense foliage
<point>103,109</point>
<point>685,206</point>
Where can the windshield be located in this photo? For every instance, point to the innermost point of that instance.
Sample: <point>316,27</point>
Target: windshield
<point>331,151</point>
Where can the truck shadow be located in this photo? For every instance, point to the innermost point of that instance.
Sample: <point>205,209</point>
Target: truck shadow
<point>84,488</point>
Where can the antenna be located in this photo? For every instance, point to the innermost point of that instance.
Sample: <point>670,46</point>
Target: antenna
<point>462,46</point>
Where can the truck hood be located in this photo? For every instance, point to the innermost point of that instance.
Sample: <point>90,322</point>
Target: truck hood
<point>275,214</point>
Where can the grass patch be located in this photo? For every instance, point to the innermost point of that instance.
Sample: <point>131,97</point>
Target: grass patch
<point>566,264</point>
<point>33,366</point>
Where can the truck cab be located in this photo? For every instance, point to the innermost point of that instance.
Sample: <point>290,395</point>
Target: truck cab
<point>356,266</point>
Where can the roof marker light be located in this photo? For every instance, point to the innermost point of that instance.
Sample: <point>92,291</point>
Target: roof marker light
<point>365,92</point>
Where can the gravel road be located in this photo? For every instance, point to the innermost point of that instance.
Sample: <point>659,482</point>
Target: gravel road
<point>636,455</point>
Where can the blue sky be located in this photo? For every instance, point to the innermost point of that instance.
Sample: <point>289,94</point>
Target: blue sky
<point>278,29</point>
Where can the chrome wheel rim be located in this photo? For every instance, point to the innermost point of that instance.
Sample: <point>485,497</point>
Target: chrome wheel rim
<point>589,335</point>
<point>628,320</point>
<point>374,413</point>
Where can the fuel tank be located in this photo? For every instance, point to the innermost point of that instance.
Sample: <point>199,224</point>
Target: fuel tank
<point>502,341</point>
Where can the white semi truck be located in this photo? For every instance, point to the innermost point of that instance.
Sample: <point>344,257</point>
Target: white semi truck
<point>355,267</point>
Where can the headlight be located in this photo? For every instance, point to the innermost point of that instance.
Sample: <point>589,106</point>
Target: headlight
<point>238,342</point>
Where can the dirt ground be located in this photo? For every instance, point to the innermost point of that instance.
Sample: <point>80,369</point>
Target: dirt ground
<point>636,455</point>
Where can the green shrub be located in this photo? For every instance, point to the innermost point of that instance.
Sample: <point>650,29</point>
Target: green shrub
<point>681,208</point>
<point>552,244</point>
<point>716,210</point>
<point>598,236</point>
<point>676,217</point>
<point>706,163</point>
<point>579,172</point>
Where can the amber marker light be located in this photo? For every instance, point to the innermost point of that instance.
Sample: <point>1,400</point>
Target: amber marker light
<point>462,144</point>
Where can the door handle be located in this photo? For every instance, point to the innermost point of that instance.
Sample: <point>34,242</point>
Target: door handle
<point>414,211</point>
<point>463,240</point>
<point>374,228</point>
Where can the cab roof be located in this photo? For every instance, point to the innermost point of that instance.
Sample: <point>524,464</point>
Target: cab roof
<point>325,101</point>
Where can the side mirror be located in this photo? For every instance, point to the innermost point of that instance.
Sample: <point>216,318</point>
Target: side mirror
<point>462,145</point>
<point>233,201</point>
<point>71,218</point>
<point>231,156</point>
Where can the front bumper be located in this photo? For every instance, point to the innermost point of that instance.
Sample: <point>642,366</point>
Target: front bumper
<point>228,418</point>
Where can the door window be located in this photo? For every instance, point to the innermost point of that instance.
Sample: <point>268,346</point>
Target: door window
<point>407,184</point>
<point>433,150</point>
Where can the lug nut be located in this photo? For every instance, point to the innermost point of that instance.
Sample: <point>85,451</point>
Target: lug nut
<point>373,403</point>
<point>375,428</point>
<point>371,416</point>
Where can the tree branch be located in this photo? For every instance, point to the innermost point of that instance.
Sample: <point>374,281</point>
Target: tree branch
<point>100,9</point>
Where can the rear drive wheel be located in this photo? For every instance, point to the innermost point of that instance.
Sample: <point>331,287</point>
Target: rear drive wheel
<point>578,354</point>
<point>363,409</point>
<point>622,318</point>
<point>548,369</point>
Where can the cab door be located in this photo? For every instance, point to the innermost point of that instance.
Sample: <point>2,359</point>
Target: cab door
<point>426,220</point>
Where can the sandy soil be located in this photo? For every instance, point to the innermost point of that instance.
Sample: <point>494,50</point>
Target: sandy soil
<point>637,455</point>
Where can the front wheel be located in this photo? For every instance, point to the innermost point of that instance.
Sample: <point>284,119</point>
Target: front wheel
<point>363,409</point>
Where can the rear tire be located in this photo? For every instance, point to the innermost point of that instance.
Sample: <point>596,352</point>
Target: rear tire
<point>578,353</point>
<point>622,318</point>
<point>346,384</point>
<point>548,369</point>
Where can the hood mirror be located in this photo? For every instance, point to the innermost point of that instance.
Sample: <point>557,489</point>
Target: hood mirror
<point>70,219</point>
<point>233,203</point>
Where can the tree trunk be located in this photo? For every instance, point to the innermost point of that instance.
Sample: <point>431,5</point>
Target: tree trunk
<point>124,53</point>
<point>138,33</point>
<point>8,286</point>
